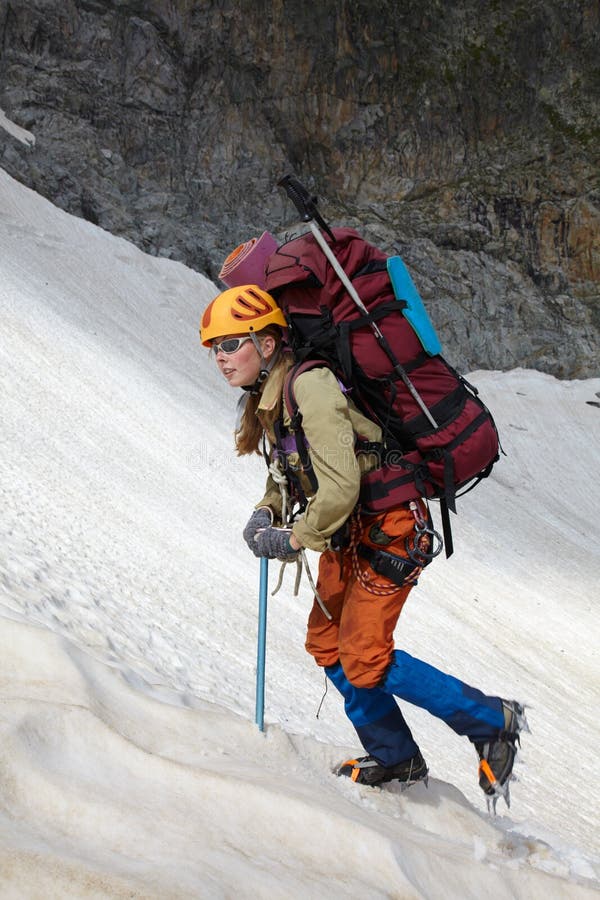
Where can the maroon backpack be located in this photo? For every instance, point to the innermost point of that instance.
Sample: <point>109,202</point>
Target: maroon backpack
<point>395,382</point>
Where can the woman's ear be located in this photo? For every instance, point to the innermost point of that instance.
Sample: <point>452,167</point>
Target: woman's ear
<point>268,345</point>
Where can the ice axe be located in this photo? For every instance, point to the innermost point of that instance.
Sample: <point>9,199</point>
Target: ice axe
<point>307,207</point>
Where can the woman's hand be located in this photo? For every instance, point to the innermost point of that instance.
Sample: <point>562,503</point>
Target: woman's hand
<point>276,543</point>
<point>260,519</point>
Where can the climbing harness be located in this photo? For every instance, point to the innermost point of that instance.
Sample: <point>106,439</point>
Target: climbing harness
<point>399,570</point>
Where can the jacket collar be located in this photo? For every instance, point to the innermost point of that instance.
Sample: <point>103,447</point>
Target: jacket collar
<point>273,387</point>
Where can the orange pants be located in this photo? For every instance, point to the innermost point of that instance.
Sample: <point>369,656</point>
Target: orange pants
<point>361,632</point>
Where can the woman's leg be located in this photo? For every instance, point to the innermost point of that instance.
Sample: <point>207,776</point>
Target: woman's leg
<point>366,642</point>
<point>369,672</point>
<point>377,719</point>
<point>465,709</point>
<point>374,714</point>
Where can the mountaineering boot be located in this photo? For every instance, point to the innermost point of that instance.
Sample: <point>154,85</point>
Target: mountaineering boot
<point>366,770</point>
<point>497,756</point>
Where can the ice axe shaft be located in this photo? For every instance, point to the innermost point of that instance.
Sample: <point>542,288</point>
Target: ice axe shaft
<point>259,717</point>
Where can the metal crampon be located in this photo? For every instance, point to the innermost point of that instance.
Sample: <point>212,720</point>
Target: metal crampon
<point>500,755</point>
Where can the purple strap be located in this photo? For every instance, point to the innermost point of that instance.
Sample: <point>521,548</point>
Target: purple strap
<point>286,446</point>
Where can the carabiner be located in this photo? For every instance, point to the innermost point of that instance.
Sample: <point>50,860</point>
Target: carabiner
<point>427,543</point>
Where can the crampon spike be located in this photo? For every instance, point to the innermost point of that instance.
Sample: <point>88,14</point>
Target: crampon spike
<point>502,790</point>
<point>498,790</point>
<point>522,723</point>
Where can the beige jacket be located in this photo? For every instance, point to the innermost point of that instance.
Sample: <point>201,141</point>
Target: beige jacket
<point>330,422</point>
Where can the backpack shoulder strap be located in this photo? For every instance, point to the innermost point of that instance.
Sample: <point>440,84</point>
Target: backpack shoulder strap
<point>289,395</point>
<point>296,416</point>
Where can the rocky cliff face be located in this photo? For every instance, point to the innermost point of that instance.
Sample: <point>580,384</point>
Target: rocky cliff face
<point>464,135</point>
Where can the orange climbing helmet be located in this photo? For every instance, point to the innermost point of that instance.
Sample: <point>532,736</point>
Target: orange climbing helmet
<point>239,310</point>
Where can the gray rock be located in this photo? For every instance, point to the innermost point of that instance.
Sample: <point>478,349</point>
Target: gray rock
<point>466,142</point>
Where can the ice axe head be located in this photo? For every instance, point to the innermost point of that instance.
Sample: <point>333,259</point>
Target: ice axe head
<point>304,202</point>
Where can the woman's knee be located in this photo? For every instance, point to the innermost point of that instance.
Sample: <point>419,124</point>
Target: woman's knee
<point>364,671</point>
<point>323,655</point>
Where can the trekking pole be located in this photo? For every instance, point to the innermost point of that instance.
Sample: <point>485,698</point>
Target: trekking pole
<point>259,717</point>
<point>307,207</point>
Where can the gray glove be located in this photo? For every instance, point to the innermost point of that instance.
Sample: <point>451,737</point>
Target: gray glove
<point>275,544</point>
<point>260,519</point>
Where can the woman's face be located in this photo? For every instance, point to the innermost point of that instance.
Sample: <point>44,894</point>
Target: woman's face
<point>243,367</point>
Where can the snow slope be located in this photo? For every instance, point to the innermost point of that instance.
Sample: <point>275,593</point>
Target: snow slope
<point>129,761</point>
